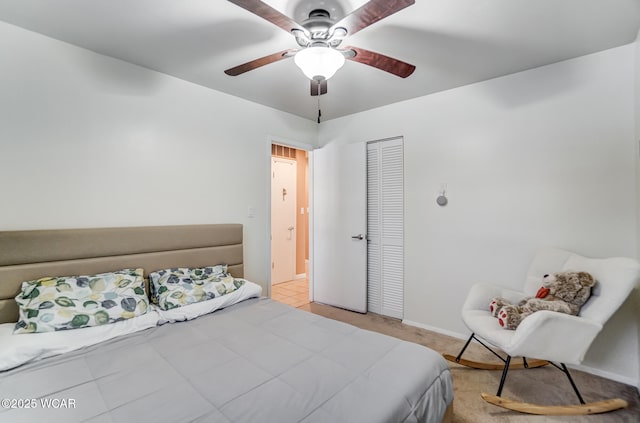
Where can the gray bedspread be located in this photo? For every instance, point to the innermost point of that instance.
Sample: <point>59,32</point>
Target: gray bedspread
<point>257,361</point>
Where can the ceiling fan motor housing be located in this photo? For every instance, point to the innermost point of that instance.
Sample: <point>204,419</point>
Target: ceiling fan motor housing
<point>318,29</point>
<point>319,13</point>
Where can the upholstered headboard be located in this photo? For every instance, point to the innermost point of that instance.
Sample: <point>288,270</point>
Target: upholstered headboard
<point>28,255</point>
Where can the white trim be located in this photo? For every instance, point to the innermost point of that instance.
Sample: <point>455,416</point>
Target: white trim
<point>267,182</point>
<point>591,370</point>
<point>310,214</point>
<point>300,276</point>
<point>272,139</point>
<point>283,160</point>
<point>436,329</point>
<point>607,375</point>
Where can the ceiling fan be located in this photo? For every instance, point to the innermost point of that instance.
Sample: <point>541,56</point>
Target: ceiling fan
<point>319,38</point>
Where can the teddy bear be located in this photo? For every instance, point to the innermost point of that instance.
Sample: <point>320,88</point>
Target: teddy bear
<point>564,292</point>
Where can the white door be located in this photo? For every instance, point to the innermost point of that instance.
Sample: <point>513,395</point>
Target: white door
<point>385,227</point>
<point>339,226</point>
<point>283,220</point>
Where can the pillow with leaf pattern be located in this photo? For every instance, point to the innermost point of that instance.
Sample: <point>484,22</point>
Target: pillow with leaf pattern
<point>171,288</point>
<point>176,274</point>
<point>71,302</point>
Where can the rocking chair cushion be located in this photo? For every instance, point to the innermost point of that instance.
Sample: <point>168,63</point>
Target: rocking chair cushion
<point>545,334</point>
<point>616,279</point>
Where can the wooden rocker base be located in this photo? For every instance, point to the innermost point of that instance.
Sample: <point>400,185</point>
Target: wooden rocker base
<point>494,366</point>
<point>556,410</point>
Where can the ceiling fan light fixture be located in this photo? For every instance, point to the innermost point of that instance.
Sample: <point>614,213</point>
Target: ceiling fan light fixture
<point>319,62</point>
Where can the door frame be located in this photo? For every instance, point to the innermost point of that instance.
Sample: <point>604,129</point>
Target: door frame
<point>272,139</point>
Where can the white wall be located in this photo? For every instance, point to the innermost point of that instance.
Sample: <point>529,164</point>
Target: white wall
<point>539,158</point>
<point>90,141</point>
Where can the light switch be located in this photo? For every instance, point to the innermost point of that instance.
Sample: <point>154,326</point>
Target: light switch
<point>301,210</point>
<point>251,212</point>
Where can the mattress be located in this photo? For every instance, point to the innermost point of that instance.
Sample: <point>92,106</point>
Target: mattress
<point>256,361</point>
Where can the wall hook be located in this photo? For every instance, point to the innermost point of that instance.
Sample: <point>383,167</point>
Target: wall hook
<point>442,198</point>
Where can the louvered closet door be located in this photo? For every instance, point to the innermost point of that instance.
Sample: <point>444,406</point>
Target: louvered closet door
<point>385,227</point>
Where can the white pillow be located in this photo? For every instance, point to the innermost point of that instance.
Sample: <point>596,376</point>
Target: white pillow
<point>18,349</point>
<point>187,312</point>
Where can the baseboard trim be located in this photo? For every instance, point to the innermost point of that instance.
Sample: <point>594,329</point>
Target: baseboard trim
<point>604,374</point>
<point>301,276</point>
<point>436,329</point>
<point>582,368</point>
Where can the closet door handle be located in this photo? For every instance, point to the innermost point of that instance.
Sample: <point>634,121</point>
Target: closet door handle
<point>359,237</point>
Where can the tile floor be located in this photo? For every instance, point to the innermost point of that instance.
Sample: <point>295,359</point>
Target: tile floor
<point>294,293</point>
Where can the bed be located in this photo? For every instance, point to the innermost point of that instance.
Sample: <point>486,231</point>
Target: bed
<point>250,360</point>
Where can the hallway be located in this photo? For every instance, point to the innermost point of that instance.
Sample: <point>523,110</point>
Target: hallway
<point>294,293</point>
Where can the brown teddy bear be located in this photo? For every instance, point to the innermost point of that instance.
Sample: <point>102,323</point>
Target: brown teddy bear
<point>564,292</point>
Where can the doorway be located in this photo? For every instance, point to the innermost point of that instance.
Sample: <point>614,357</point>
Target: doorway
<point>289,225</point>
<point>358,254</point>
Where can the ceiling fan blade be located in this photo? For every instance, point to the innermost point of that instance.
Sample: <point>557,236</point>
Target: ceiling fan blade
<point>380,61</point>
<point>267,12</point>
<point>370,13</point>
<point>318,88</point>
<point>254,64</point>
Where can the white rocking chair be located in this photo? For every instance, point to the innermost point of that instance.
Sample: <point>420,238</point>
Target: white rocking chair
<point>543,335</point>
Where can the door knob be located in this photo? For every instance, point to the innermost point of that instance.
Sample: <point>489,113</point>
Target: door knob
<point>359,237</point>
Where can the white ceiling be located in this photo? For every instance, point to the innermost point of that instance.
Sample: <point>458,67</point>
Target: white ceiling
<point>451,42</point>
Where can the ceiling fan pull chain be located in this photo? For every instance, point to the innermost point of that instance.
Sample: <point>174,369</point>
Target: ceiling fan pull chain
<point>319,111</point>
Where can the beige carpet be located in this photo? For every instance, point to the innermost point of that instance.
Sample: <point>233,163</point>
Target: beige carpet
<point>544,385</point>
